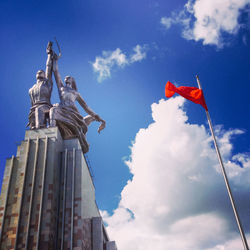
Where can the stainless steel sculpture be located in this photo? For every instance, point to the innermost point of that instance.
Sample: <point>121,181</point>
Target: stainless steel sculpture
<point>65,115</point>
<point>40,94</point>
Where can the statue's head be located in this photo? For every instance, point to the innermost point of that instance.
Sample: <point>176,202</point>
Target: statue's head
<point>40,74</point>
<point>70,82</point>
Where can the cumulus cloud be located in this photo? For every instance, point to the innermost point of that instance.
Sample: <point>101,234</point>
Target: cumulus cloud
<point>177,197</point>
<point>208,20</point>
<point>111,59</point>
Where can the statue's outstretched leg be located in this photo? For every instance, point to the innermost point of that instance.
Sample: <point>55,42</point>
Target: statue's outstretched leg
<point>32,121</point>
<point>40,114</point>
<point>52,121</point>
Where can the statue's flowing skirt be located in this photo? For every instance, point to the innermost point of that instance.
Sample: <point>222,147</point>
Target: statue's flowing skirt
<point>71,124</point>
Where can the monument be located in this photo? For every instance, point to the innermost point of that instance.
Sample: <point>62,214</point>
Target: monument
<point>48,196</point>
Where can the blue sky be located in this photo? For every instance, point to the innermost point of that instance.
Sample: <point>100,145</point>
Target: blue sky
<point>121,54</point>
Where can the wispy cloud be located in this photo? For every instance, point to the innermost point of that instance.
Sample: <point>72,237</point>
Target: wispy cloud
<point>109,60</point>
<point>139,54</point>
<point>177,198</point>
<point>167,22</point>
<point>207,20</point>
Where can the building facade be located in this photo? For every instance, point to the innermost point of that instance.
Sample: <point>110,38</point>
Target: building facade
<point>48,197</point>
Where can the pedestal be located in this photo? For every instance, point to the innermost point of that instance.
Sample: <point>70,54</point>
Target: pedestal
<point>48,197</point>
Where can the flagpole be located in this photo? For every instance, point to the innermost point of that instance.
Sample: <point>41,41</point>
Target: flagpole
<point>244,241</point>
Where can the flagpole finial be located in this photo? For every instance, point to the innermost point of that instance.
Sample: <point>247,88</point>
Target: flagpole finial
<point>198,81</point>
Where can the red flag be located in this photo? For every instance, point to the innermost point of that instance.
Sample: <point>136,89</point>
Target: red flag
<point>191,93</point>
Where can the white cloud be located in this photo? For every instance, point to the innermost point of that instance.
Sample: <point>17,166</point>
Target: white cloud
<point>230,245</point>
<point>139,54</point>
<point>167,22</point>
<point>207,20</point>
<point>177,198</point>
<point>111,59</point>
<point>103,65</point>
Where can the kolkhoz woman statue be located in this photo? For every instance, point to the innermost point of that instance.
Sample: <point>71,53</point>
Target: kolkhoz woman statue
<point>65,115</point>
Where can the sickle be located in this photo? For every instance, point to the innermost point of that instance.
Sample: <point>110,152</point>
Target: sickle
<point>60,53</point>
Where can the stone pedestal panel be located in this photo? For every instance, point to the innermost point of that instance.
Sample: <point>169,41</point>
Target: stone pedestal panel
<point>48,197</point>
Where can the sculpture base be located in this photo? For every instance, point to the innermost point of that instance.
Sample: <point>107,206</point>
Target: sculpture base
<point>48,197</point>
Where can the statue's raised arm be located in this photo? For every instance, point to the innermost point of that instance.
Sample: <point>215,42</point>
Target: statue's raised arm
<point>66,116</point>
<point>57,75</point>
<point>48,71</point>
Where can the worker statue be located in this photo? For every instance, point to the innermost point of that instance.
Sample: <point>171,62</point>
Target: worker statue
<point>40,94</point>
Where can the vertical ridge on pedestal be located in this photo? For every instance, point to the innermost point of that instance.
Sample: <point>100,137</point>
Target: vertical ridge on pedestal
<point>32,191</point>
<point>6,198</point>
<point>42,190</point>
<point>23,186</point>
<point>97,233</point>
<point>73,199</point>
<point>58,216</point>
<point>64,194</point>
